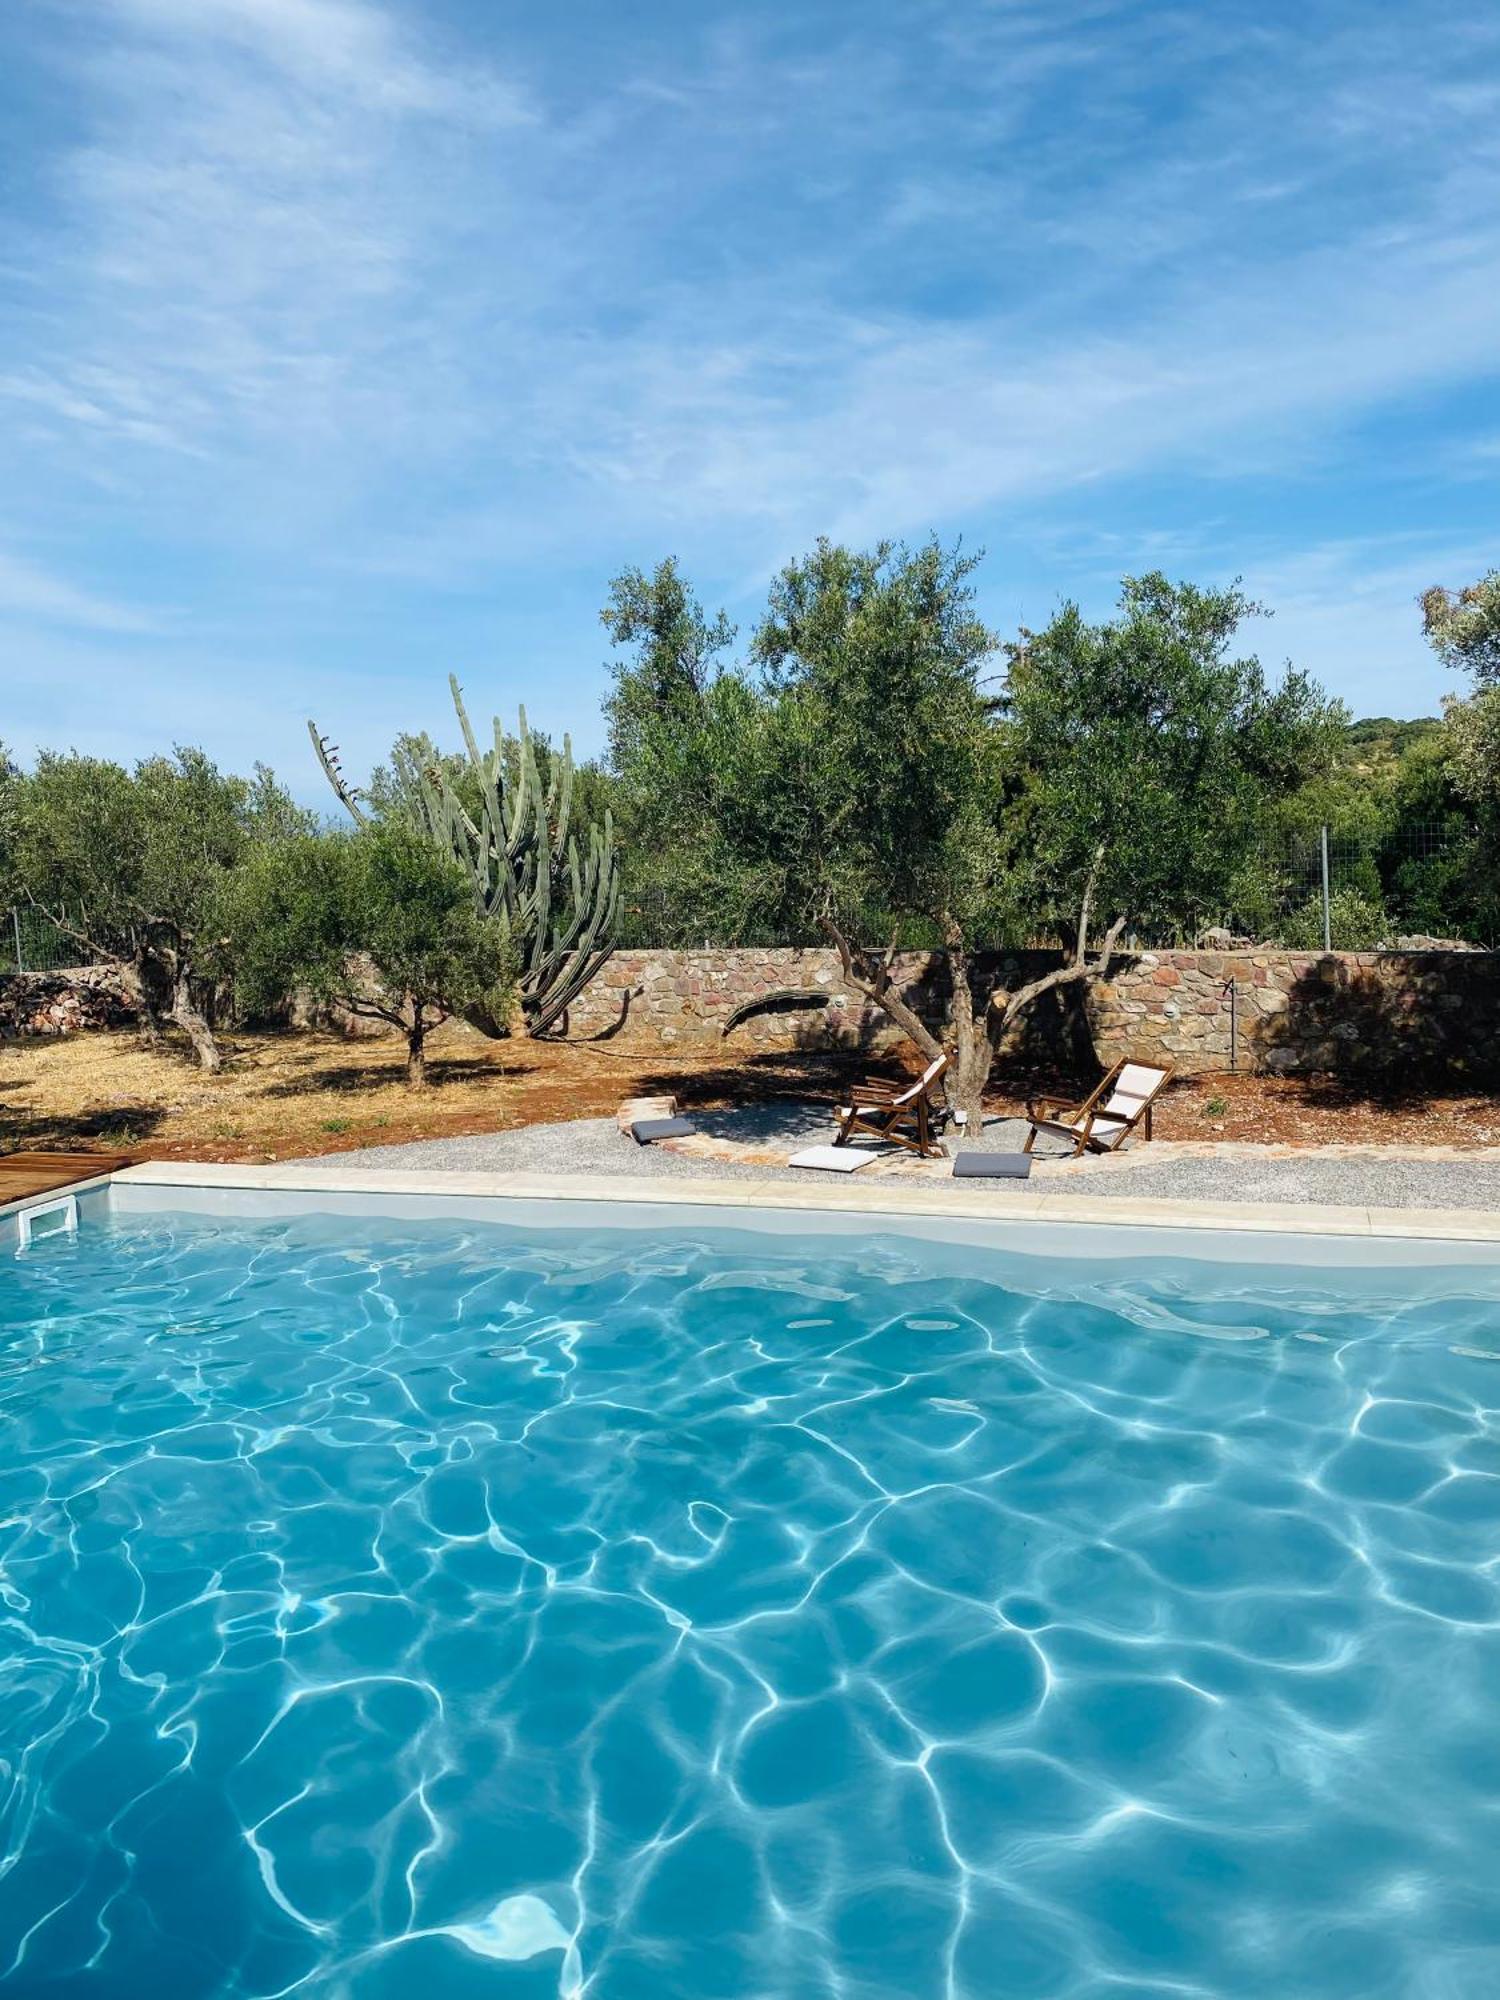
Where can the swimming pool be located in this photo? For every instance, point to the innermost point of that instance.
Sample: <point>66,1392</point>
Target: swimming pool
<point>396,1606</point>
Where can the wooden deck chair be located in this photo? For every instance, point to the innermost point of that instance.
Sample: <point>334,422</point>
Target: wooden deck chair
<point>902,1117</point>
<point>1104,1120</point>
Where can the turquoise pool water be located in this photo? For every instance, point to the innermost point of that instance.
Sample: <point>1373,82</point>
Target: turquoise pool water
<point>403,1609</point>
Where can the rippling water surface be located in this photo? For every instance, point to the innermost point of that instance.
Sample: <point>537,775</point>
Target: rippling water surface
<point>412,1609</point>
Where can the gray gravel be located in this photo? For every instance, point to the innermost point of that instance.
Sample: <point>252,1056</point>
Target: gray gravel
<point>582,1146</point>
<point>1355,1183</point>
<point>595,1146</point>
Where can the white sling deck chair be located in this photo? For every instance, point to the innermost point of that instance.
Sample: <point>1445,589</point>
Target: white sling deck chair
<point>1104,1120</point>
<point>901,1117</point>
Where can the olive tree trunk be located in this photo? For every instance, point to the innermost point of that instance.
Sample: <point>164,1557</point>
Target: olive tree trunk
<point>980,1021</point>
<point>190,1018</point>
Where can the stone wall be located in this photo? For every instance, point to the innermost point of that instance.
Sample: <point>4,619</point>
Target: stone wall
<point>61,1003</point>
<point>1419,1014</point>
<point>1428,1013</point>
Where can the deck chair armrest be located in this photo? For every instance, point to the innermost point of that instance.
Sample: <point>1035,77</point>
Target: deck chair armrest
<point>1042,1107</point>
<point>872,1093</point>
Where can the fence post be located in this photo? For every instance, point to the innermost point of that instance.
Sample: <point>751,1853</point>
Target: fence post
<point>15,921</point>
<point>1327,916</point>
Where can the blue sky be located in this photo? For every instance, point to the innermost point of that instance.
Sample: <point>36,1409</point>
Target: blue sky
<point>343,344</point>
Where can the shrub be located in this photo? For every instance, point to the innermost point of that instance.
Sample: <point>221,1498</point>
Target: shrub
<point>1356,922</point>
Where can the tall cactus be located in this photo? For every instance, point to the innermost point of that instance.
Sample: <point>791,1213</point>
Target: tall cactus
<point>559,908</point>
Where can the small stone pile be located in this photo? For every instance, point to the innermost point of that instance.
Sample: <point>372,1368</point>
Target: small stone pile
<point>64,1003</point>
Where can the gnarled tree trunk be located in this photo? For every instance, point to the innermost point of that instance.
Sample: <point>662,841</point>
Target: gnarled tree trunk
<point>980,1022</point>
<point>190,1018</point>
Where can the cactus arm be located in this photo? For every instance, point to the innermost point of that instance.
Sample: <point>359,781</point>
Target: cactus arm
<point>565,796</point>
<point>540,913</point>
<point>555,900</point>
<point>328,757</point>
<point>464,724</point>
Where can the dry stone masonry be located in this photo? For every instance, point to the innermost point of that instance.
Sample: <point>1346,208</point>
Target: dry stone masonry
<point>62,1003</point>
<point>1425,1011</point>
<point>1420,1014</point>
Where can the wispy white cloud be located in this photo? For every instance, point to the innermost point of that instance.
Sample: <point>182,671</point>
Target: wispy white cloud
<point>342,47</point>
<point>315,302</point>
<point>33,595</point>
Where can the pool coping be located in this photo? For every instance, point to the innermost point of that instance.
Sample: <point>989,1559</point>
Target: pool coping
<point>890,1198</point>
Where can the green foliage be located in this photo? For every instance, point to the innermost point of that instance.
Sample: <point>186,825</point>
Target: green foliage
<point>379,920</point>
<point>1473,732</point>
<point>139,866</point>
<point>1463,627</point>
<point>505,816</point>
<point>1356,923</point>
<point>1147,736</point>
<point>676,660</point>
<point>123,853</point>
<point>1374,742</point>
<point>845,768</point>
<point>871,666</point>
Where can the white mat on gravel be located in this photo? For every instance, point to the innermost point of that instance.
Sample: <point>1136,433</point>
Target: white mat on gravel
<point>832,1159</point>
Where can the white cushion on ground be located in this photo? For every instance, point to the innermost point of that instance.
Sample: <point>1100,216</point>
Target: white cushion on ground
<point>832,1159</point>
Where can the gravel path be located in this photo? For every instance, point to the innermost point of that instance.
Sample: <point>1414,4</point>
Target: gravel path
<point>595,1146</point>
<point>582,1146</point>
<point>1355,1183</point>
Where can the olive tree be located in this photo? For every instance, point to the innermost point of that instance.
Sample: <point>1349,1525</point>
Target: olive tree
<point>1463,627</point>
<point>137,866</point>
<point>846,778</point>
<point>1146,749</point>
<point>380,921</point>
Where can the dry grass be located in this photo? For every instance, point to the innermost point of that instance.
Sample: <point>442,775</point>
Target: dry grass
<point>284,1095</point>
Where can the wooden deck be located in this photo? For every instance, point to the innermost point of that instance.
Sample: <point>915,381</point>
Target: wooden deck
<point>23,1174</point>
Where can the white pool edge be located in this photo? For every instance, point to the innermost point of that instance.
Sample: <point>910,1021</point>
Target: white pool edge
<point>877,1199</point>
<point>1052,1224</point>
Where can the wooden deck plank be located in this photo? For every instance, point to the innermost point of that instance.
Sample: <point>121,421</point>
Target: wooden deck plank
<point>25,1174</point>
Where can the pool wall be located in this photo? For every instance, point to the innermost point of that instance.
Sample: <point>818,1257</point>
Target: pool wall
<point>1069,1227</point>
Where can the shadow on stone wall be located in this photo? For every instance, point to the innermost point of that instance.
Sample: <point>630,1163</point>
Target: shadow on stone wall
<point>1056,1037</point>
<point>1387,1024</point>
<point>851,1022</point>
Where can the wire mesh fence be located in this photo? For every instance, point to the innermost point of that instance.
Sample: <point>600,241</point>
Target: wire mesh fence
<point>30,941</point>
<point>1357,891</point>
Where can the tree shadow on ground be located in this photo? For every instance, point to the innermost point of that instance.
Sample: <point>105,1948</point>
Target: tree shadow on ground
<point>121,1126</point>
<point>815,1075</point>
<point>351,1078</point>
